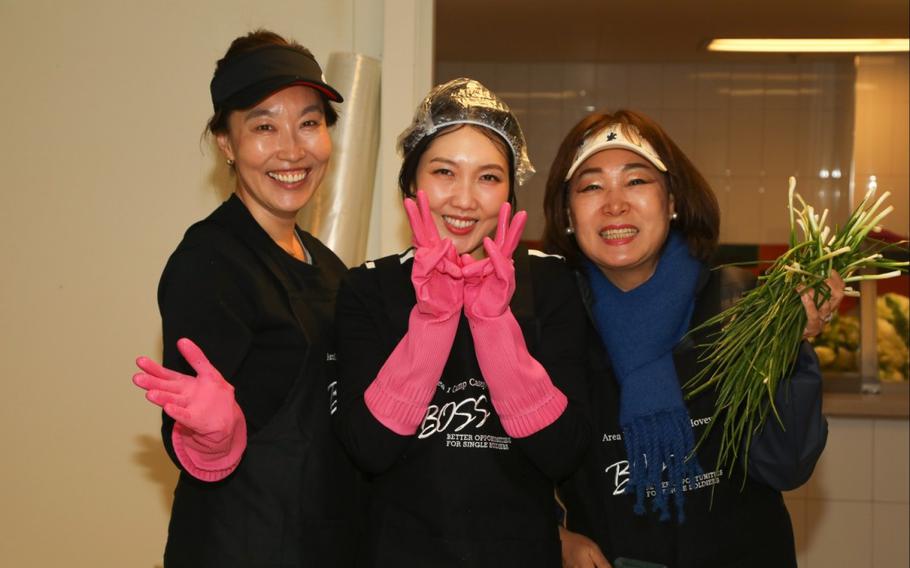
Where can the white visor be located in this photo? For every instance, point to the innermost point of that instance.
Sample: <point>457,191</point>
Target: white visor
<point>614,137</point>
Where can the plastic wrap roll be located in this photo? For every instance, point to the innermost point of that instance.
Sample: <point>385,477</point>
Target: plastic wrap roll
<point>339,213</point>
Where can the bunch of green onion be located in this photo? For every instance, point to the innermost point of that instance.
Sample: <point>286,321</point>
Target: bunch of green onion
<point>759,336</point>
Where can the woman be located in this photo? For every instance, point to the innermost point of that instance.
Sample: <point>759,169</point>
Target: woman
<point>461,360</point>
<point>263,481</point>
<point>637,220</point>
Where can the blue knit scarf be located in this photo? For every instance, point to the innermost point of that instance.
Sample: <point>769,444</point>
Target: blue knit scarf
<point>639,330</point>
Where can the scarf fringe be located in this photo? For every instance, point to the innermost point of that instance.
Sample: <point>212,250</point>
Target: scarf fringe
<point>656,442</point>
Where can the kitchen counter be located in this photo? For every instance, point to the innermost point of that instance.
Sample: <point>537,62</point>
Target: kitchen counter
<point>843,397</point>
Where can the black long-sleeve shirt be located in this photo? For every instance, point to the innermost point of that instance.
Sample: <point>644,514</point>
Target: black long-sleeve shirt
<point>461,492</point>
<point>263,319</point>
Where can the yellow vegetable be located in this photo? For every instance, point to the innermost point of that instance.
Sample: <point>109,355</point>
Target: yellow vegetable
<point>846,359</point>
<point>826,355</point>
<point>893,355</point>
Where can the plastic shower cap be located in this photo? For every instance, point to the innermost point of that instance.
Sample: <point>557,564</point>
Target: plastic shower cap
<point>466,101</point>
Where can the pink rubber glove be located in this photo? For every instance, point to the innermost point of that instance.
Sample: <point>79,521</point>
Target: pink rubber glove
<point>399,395</point>
<point>436,274</point>
<point>486,296</point>
<point>521,390</point>
<point>209,435</point>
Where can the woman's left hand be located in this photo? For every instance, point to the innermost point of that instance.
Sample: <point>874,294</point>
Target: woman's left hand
<point>490,283</point>
<point>816,318</point>
<point>579,551</point>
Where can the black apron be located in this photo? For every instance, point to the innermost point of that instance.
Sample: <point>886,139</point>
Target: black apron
<point>409,528</point>
<point>292,500</point>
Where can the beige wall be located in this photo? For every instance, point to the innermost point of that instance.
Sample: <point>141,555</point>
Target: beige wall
<point>883,132</point>
<point>102,169</point>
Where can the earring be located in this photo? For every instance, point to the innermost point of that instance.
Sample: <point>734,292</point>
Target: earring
<point>570,231</point>
<point>230,163</point>
<point>674,216</point>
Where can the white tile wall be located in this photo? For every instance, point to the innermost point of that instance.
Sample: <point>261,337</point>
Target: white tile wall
<point>844,471</point>
<point>741,221</point>
<point>883,131</point>
<point>838,534</point>
<point>890,528</point>
<point>712,132</point>
<point>680,125</point>
<point>854,510</point>
<point>798,509</point>
<point>612,86</point>
<point>712,83</point>
<point>775,219</point>
<point>890,461</point>
<point>782,83</point>
<point>748,126</point>
<point>515,80</point>
<point>644,86</point>
<point>679,86</point>
<point>780,138</point>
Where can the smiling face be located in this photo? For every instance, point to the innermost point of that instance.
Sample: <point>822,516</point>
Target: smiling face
<point>280,149</point>
<point>620,208</point>
<point>466,179</point>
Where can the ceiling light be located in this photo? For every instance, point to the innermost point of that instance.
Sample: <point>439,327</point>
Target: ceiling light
<point>832,45</point>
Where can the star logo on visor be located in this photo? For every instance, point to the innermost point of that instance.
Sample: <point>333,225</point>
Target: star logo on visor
<point>611,137</point>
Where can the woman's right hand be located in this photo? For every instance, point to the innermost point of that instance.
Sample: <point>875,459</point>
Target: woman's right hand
<point>436,275</point>
<point>204,404</point>
<point>578,551</point>
<point>210,435</point>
